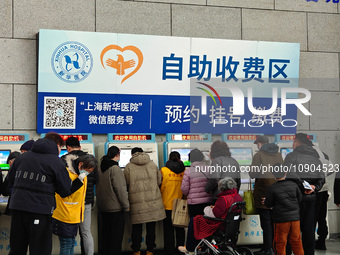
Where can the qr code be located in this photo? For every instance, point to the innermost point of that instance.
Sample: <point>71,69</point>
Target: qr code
<point>60,112</point>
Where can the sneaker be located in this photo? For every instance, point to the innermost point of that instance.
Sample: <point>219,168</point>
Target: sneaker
<point>183,249</point>
<point>136,253</point>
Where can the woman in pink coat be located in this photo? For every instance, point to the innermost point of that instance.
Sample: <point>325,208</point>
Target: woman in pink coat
<point>193,183</point>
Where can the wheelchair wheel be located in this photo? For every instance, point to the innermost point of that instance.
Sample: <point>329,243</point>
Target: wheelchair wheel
<point>244,251</point>
<point>226,253</point>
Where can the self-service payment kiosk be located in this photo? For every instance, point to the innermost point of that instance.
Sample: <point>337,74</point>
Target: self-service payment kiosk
<point>242,148</point>
<point>8,144</point>
<point>126,142</point>
<point>85,141</point>
<point>184,143</point>
<point>285,142</point>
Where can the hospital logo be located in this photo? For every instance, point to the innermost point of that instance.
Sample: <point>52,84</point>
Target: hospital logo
<point>253,221</point>
<point>122,62</point>
<point>4,234</point>
<point>72,62</point>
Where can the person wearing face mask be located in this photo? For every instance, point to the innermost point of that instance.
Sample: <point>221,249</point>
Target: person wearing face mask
<point>70,210</point>
<point>86,239</point>
<point>112,202</point>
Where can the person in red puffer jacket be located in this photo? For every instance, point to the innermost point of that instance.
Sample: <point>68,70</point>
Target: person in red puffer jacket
<point>200,227</point>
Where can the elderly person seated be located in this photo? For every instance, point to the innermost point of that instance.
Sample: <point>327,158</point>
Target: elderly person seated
<point>200,227</point>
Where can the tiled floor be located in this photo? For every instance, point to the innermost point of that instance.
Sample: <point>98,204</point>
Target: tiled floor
<point>333,248</point>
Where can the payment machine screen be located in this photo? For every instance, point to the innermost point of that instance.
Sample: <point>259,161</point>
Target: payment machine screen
<point>285,151</point>
<point>125,155</point>
<point>243,156</point>
<point>184,152</point>
<point>62,153</point>
<point>4,155</point>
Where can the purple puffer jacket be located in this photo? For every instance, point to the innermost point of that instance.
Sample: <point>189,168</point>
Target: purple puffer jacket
<point>193,184</point>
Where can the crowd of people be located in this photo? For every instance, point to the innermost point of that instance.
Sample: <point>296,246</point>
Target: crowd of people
<point>51,195</point>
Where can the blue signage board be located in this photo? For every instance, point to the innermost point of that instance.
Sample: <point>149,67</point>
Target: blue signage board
<point>119,83</point>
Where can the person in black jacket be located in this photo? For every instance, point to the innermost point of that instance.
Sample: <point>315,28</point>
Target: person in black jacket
<point>87,247</point>
<point>284,197</point>
<point>305,167</point>
<point>337,189</point>
<point>5,186</point>
<point>34,179</point>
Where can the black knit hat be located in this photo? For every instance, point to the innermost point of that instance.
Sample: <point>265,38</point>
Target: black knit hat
<point>27,145</point>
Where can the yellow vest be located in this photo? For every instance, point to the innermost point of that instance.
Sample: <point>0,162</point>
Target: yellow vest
<point>71,209</point>
<point>171,187</point>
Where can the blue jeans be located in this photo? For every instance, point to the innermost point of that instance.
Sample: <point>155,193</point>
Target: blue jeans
<point>66,245</point>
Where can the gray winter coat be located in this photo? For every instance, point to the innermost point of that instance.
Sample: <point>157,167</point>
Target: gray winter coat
<point>111,189</point>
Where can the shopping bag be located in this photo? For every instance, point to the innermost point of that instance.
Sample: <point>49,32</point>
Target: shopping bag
<point>180,213</point>
<point>248,197</point>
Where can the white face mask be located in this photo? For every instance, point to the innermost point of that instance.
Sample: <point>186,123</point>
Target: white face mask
<point>83,171</point>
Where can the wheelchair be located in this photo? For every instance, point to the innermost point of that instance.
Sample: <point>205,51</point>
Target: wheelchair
<point>224,242</point>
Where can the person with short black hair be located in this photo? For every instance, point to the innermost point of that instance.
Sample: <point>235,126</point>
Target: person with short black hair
<point>33,199</point>
<point>172,174</point>
<point>112,201</point>
<point>136,149</point>
<point>143,179</point>
<point>284,197</point>
<point>72,143</point>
